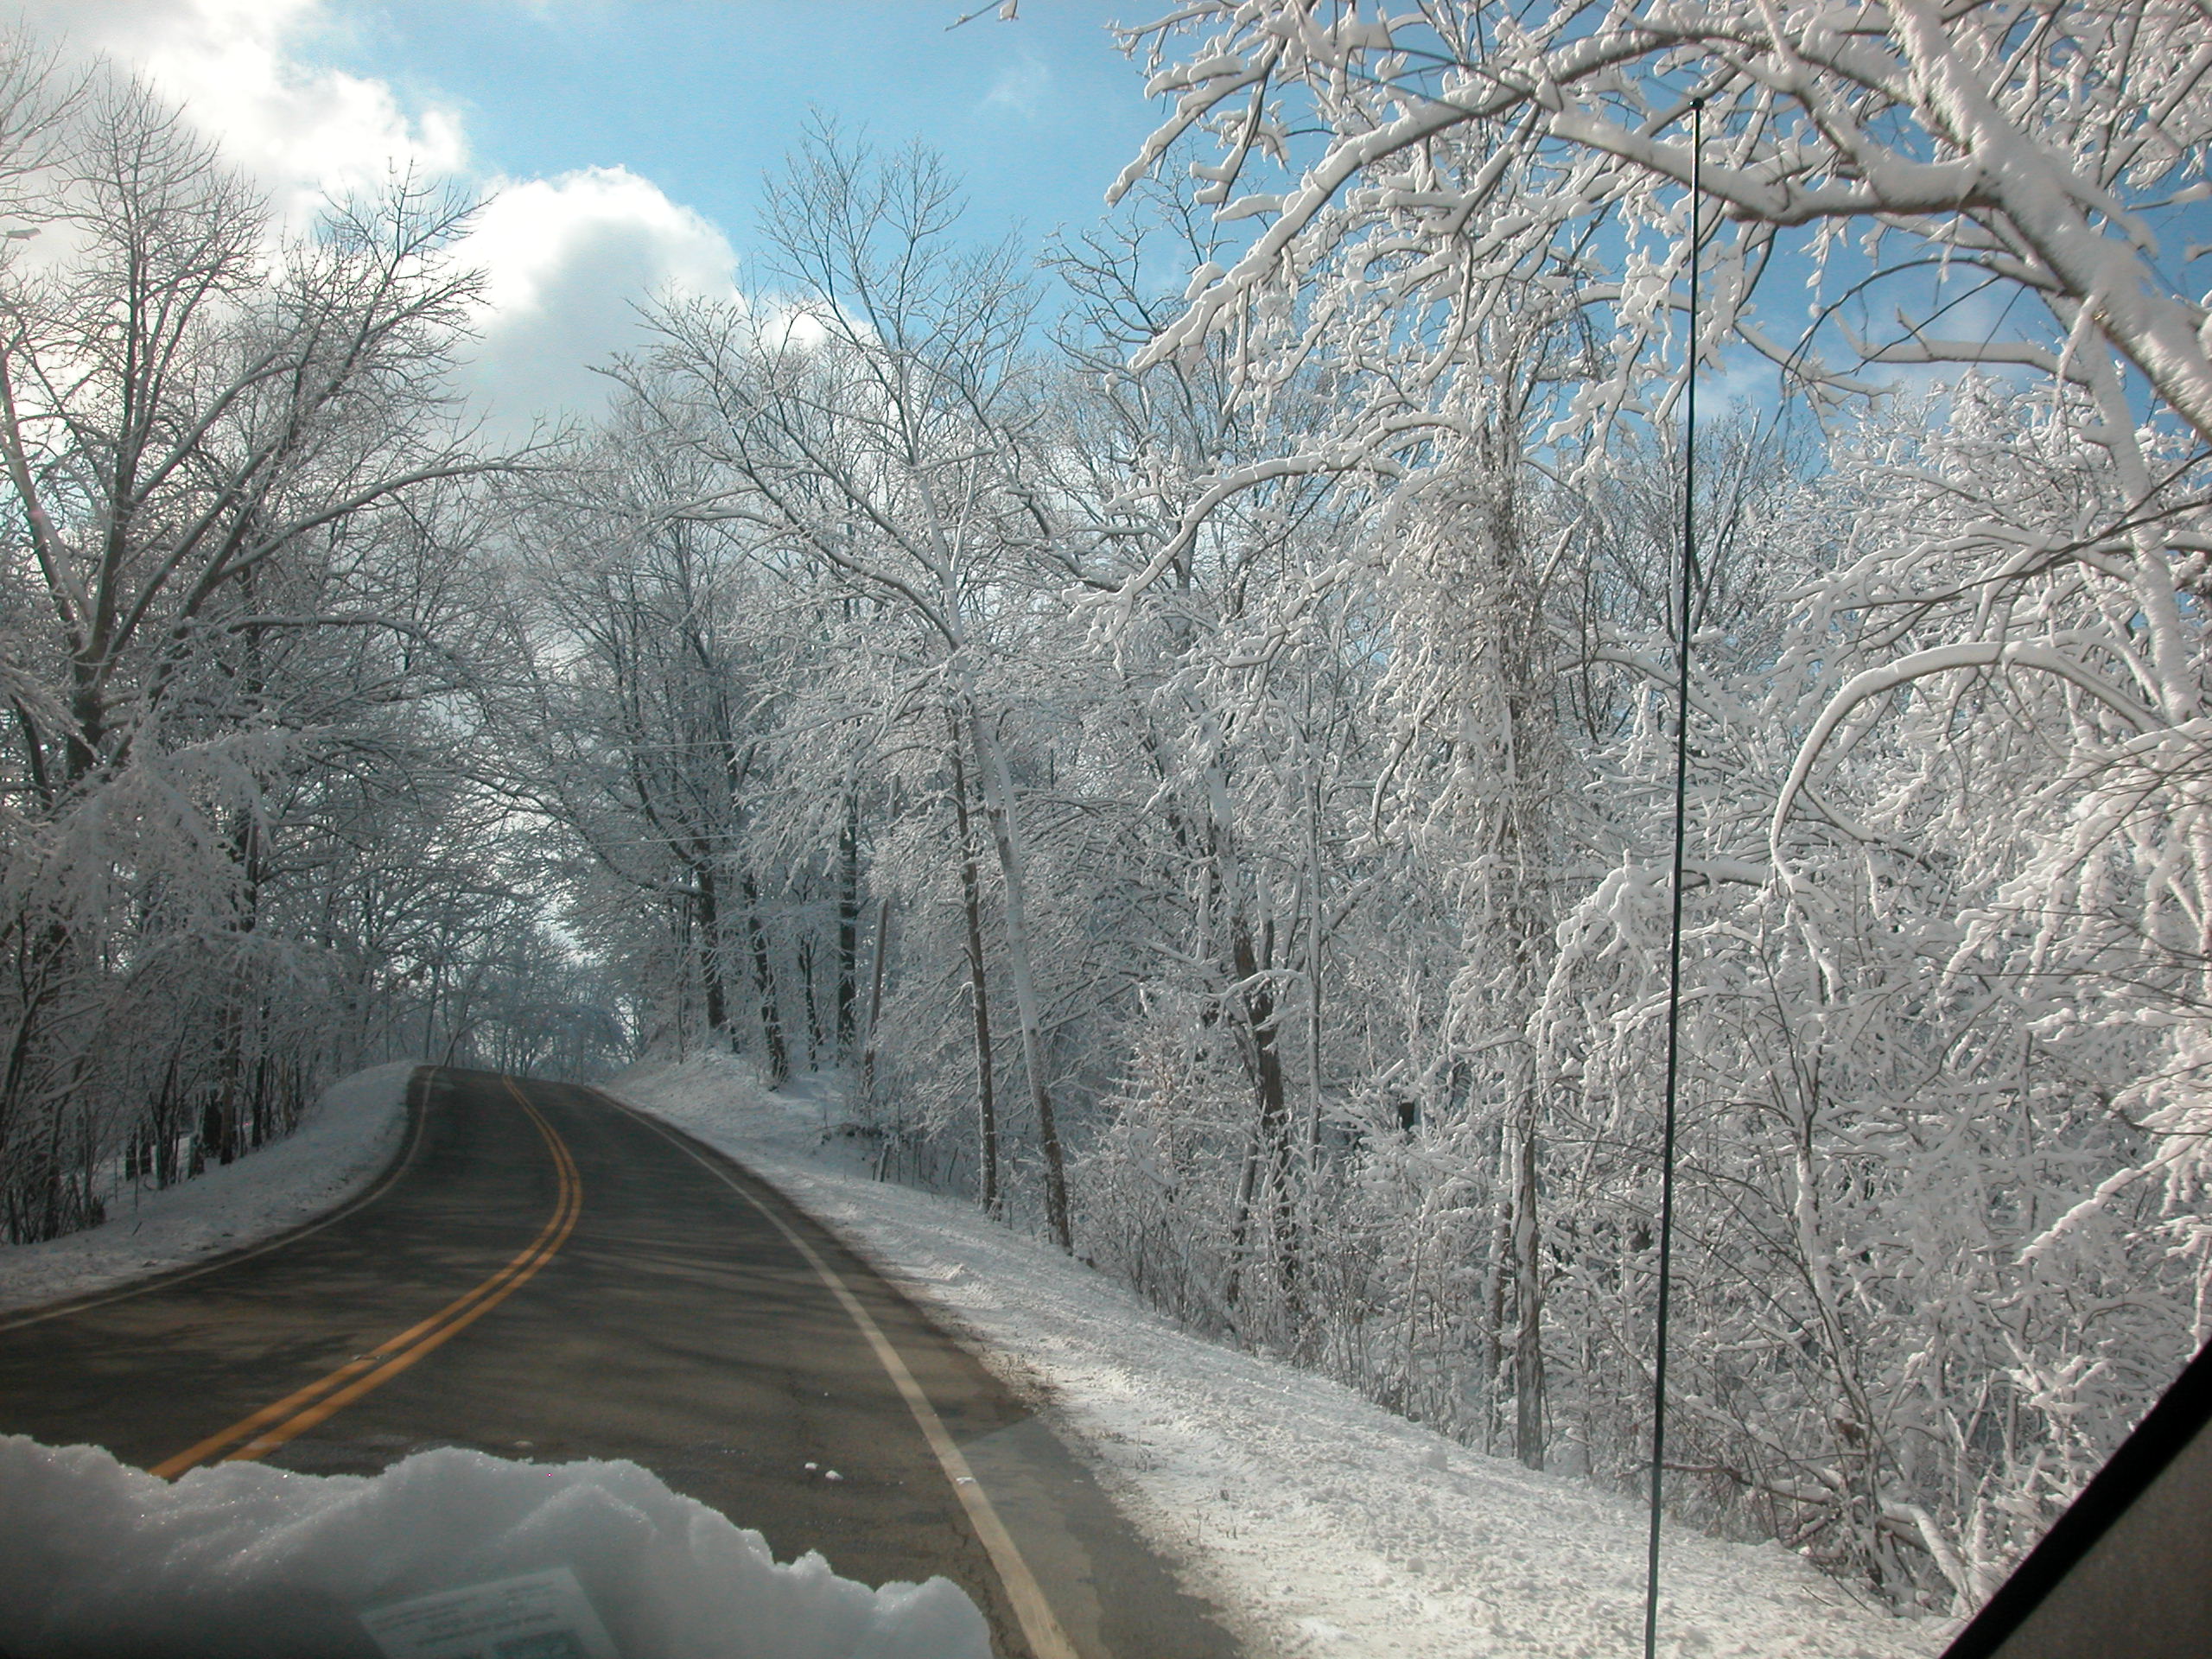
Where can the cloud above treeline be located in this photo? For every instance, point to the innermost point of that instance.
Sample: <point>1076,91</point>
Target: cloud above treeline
<point>567,260</point>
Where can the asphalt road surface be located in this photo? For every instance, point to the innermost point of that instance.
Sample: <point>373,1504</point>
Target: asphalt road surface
<point>545,1274</point>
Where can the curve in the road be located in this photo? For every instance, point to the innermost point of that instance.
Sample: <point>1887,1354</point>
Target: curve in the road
<point>303,1410</point>
<point>164,1278</point>
<point>689,1319</point>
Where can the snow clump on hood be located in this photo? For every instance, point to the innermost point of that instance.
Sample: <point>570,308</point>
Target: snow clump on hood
<point>244,1560</point>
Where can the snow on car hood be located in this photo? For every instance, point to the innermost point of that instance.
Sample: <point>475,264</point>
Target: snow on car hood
<point>244,1560</point>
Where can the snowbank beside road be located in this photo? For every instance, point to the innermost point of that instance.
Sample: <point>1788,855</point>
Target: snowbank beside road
<point>591,1559</point>
<point>1316,1521</point>
<point>345,1141</point>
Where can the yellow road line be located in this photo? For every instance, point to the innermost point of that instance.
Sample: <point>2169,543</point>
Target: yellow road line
<point>301,1410</point>
<point>1040,1625</point>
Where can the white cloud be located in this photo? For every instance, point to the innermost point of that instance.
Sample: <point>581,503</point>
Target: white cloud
<point>567,260</point>
<point>305,131</point>
<point>1021,86</point>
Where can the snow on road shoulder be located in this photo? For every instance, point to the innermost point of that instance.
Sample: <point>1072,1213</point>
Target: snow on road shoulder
<point>345,1141</point>
<point>588,1557</point>
<point>1316,1521</point>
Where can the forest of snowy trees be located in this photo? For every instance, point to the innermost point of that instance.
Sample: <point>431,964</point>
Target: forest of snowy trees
<point>1183,719</point>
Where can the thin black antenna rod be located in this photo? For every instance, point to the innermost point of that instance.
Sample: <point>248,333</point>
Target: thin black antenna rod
<point>1675,932</point>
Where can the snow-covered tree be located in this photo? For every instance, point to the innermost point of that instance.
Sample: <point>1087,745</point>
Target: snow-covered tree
<point>233,503</point>
<point>1947,792</point>
<point>870,420</point>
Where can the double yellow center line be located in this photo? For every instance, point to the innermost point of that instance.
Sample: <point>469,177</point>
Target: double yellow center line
<point>296,1413</point>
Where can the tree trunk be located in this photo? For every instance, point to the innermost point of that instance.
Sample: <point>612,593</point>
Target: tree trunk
<point>1272,1133</point>
<point>874,998</point>
<point>1240,1227</point>
<point>1495,1279</point>
<point>817,1034</point>
<point>848,926</point>
<point>1528,1295</point>
<point>971,903</point>
<point>764,983</point>
<point>710,956</point>
<point>998,807</point>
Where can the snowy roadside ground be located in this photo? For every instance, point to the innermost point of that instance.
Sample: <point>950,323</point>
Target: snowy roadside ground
<point>345,1141</point>
<point>1317,1522</point>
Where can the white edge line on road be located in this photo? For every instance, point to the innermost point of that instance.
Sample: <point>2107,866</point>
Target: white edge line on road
<point>1039,1622</point>
<point>162,1281</point>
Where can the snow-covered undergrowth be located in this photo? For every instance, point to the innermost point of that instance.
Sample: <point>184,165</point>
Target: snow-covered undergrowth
<point>345,1141</point>
<point>105,1561</point>
<point>1316,1521</point>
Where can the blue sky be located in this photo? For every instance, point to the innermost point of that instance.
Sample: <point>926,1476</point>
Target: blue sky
<point>1038,114</point>
<point>620,145</point>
